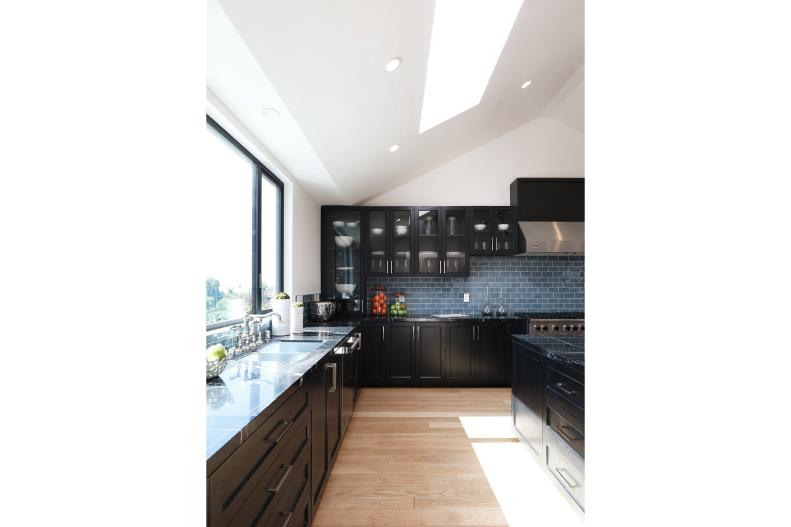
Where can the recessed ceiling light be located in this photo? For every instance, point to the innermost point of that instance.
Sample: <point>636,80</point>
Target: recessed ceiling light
<point>392,64</point>
<point>393,148</point>
<point>526,84</point>
<point>270,112</point>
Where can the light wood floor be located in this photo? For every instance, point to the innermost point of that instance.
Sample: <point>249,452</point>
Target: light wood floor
<point>406,460</point>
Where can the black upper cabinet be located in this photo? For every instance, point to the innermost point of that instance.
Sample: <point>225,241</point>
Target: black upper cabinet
<point>494,231</point>
<point>377,249</point>
<point>428,241</point>
<point>342,277</point>
<point>389,241</point>
<point>455,241</point>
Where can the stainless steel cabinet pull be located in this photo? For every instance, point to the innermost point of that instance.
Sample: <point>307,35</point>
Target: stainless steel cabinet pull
<point>567,479</point>
<point>496,244</point>
<point>334,368</point>
<point>282,479</point>
<point>413,332</point>
<point>383,332</point>
<point>288,519</point>
<point>285,430</point>
<point>473,333</point>
<point>492,243</point>
<point>418,332</point>
<point>560,386</point>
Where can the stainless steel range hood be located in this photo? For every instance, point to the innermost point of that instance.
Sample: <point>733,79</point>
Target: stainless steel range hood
<point>551,214</point>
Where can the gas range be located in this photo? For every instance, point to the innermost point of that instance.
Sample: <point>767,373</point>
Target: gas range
<point>556,324</point>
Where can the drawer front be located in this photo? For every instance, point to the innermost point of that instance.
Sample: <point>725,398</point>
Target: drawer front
<point>566,387</point>
<point>566,467</point>
<point>571,434</point>
<point>281,483</point>
<point>289,510</point>
<point>233,482</point>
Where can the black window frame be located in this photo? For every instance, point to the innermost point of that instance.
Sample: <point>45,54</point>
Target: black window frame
<point>260,171</point>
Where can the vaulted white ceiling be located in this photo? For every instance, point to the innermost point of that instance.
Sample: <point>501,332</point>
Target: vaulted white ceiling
<point>321,64</point>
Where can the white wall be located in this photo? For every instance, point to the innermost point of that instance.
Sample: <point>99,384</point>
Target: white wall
<point>552,145</point>
<point>302,214</point>
<point>542,147</point>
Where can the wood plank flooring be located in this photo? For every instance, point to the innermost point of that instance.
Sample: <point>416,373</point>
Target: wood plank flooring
<point>408,461</point>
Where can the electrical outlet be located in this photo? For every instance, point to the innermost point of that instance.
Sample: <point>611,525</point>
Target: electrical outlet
<point>466,297</point>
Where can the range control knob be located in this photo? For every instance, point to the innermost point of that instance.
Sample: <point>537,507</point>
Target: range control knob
<point>537,327</point>
<point>556,327</point>
<point>582,328</point>
<point>574,328</point>
<point>566,327</point>
<point>543,328</point>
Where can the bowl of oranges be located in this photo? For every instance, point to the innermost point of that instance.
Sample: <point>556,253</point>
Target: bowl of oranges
<point>379,303</point>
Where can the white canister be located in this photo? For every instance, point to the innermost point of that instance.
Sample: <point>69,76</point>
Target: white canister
<point>282,307</point>
<point>297,314</point>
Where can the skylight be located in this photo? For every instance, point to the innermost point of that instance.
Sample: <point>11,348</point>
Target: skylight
<point>466,41</point>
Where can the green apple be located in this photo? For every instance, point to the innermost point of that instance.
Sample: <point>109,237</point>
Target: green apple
<point>215,352</point>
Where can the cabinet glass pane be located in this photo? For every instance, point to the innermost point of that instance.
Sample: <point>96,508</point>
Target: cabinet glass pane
<point>505,233</point>
<point>482,233</point>
<point>344,267</point>
<point>402,240</point>
<point>377,241</point>
<point>428,241</point>
<point>455,241</point>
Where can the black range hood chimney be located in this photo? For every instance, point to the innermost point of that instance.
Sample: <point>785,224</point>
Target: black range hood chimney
<point>551,214</point>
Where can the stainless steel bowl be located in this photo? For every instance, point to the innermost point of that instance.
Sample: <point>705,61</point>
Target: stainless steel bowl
<point>321,311</point>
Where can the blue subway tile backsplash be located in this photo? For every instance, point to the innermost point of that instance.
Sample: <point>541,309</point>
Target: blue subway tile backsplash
<point>525,283</point>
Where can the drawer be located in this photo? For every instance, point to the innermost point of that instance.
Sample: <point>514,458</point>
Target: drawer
<point>566,387</point>
<point>573,435</point>
<point>292,507</point>
<point>566,467</point>
<point>279,489</point>
<point>233,481</point>
<point>567,410</point>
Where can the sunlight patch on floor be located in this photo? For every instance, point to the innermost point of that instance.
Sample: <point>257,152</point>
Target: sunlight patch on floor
<point>524,492</point>
<point>488,427</point>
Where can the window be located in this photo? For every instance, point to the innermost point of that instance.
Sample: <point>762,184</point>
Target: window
<point>244,255</point>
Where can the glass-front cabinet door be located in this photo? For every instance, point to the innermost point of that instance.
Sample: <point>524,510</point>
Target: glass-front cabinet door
<point>428,238</point>
<point>482,231</point>
<point>343,260</point>
<point>400,234</point>
<point>506,230</point>
<point>455,233</point>
<point>378,259</point>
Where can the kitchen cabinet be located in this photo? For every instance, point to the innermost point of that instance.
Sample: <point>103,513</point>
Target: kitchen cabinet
<point>342,276</point>
<point>494,231</point>
<point>460,351</point>
<point>334,364</point>
<point>429,351</point>
<point>527,396</point>
<point>373,353</point>
<point>493,351</point>
<point>442,241</point>
<point>389,241</point>
<point>400,349</point>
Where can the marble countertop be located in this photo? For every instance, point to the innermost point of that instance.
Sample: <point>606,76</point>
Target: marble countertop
<point>567,350</point>
<point>418,317</point>
<point>249,384</point>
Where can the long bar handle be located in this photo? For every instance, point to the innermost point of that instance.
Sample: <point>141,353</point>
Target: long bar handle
<point>560,386</point>
<point>334,368</point>
<point>567,479</point>
<point>561,430</point>
<point>285,430</point>
<point>288,519</point>
<point>282,479</point>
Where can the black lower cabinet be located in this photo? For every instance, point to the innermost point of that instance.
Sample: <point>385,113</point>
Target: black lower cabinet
<point>400,349</point>
<point>527,396</point>
<point>318,385</point>
<point>493,352</point>
<point>429,351</point>
<point>460,354</point>
<point>373,354</point>
<point>335,367</point>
